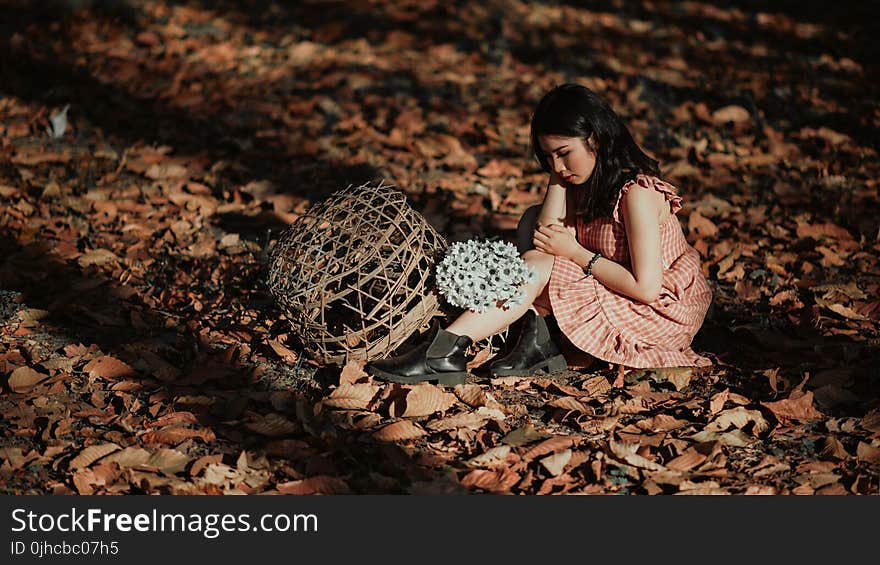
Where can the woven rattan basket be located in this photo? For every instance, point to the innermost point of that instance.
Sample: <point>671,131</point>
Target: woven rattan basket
<point>354,274</point>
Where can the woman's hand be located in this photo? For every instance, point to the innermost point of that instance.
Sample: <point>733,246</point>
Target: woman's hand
<point>556,239</point>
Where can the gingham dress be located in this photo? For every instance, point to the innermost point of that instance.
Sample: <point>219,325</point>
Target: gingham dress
<point>620,329</point>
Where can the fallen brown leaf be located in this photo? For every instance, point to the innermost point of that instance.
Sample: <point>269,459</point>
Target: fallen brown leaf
<point>800,409</point>
<point>550,445</point>
<point>182,417</point>
<point>472,395</point>
<point>175,436</point>
<point>556,462</point>
<point>352,372</point>
<point>286,355</point>
<point>426,399</point>
<point>494,457</point>
<point>868,453</point>
<point>716,403</point>
<point>399,431</point>
<point>626,451</point>
<point>24,379</point>
<point>107,367</point>
<point>271,425</point>
<point>596,386</point>
<point>470,420</point>
<point>131,456</point>
<point>91,454</point>
<point>497,480</point>
<point>570,403</point>
<point>352,396</point>
<point>738,417</point>
<point>320,484</point>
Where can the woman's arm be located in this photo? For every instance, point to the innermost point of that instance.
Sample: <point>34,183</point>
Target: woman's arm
<point>553,209</point>
<point>641,209</point>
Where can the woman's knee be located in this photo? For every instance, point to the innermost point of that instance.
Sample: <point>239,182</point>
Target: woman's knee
<point>541,262</point>
<point>525,230</point>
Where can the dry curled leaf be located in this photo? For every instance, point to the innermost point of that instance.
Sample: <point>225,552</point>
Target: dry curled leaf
<point>686,461</point>
<point>661,423</point>
<point>424,400</point>
<point>716,403</point>
<point>399,431</point>
<point>492,413</point>
<point>167,461</point>
<point>97,257</point>
<point>470,420</point>
<point>23,379</point>
<point>800,409</point>
<point>733,438</point>
<point>570,403</point>
<point>556,462</point>
<point>88,481</point>
<point>680,377</point>
<point>131,456</point>
<point>497,480</point>
<point>732,113</point>
<point>738,417</point>
<point>596,386</point>
<point>91,454</point>
<point>352,372</point>
<point>166,171</point>
<point>286,355</point>
<point>550,445</point>
<point>626,451</point>
<point>494,457</point>
<point>175,436</point>
<point>181,417</point>
<point>271,425</point>
<point>868,453</point>
<point>701,227</point>
<point>107,367</point>
<point>320,484</point>
<point>352,396</point>
<point>472,395</point>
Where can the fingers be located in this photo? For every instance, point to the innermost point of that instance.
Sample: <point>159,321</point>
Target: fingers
<point>541,242</point>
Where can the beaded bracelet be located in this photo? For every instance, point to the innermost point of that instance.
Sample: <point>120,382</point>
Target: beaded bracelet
<point>589,269</point>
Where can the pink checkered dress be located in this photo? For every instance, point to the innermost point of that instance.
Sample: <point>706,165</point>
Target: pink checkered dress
<point>619,329</point>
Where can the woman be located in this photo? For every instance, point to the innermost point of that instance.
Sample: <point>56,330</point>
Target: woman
<point>613,265</point>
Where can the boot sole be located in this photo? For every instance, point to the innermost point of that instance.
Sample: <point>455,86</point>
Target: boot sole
<point>448,379</point>
<point>551,365</point>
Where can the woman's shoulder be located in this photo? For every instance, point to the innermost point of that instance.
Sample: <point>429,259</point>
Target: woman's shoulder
<point>663,191</point>
<point>645,180</point>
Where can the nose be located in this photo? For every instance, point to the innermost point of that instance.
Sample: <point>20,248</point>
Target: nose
<point>557,164</point>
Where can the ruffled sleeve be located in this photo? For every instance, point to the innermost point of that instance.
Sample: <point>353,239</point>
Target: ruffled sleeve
<point>669,192</point>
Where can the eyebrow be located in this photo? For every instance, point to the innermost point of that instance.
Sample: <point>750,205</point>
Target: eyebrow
<point>557,149</point>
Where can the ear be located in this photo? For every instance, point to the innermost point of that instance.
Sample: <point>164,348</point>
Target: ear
<point>592,143</point>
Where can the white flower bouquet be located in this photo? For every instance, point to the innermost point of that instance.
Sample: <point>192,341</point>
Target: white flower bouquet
<point>479,274</point>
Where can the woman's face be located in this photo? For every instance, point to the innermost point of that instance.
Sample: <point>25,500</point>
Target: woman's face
<point>569,157</point>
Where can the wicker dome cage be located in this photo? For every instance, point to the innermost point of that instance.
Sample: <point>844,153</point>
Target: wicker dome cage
<point>354,274</point>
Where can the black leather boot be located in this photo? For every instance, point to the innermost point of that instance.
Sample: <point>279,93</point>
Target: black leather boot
<point>532,351</point>
<point>442,358</point>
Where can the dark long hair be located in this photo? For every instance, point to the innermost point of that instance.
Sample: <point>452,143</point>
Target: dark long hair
<point>573,110</point>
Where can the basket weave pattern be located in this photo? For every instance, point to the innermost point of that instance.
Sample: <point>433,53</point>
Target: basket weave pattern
<point>355,274</point>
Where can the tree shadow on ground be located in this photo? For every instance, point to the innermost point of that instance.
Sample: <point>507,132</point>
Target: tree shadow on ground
<point>840,370</point>
<point>176,362</point>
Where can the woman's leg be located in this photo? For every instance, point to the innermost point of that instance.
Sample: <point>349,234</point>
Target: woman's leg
<point>478,326</point>
<point>525,233</point>
<point>443,358</point>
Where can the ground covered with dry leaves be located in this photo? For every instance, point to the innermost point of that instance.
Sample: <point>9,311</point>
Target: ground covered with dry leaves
<point>141,352</point>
